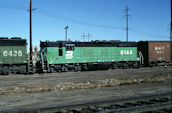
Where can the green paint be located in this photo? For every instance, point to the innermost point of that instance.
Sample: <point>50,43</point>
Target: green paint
<point>91,54</point>
<point>13,54</point>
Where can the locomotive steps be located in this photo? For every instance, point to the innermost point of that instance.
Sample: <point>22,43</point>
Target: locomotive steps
<point>81,80</point>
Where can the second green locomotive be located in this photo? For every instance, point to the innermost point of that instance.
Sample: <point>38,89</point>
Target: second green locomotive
<point>68,55</point>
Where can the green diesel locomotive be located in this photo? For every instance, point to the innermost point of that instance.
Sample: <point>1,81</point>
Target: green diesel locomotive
<point>13,55</point>
<point>68,55</point>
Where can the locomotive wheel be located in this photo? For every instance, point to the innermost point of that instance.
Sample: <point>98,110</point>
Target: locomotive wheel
<point>6,72</point>
<point>125,66</point>
<point>84,67</point>
<point>78,68</point>
<point>136,65</point>
<point>59,70</point>
<point>50,70</point>
<point>64,69</point>
<point>114,66</point>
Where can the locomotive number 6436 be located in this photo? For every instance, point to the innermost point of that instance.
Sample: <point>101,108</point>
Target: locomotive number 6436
<point>12,53</point>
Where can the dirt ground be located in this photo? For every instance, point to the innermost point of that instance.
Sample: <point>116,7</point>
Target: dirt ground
<point>21,91</point>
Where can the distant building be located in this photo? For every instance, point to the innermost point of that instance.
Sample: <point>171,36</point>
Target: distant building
<point>35,55</point>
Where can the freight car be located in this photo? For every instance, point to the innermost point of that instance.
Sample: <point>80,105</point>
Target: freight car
<point>155,52</point>
<point>68,55</point>
<point>13,56</point>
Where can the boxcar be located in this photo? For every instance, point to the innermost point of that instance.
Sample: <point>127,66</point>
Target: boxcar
<point>155,52</point>
<point>66,55</point>
<point>13,56</point>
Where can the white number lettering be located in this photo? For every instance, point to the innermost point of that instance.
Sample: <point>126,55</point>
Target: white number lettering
<point>5,53</point>
<point>15,52</point>
<point>10,53</point>
<point>126,52</point>
<point>122,52</point>
<point>19,53</point>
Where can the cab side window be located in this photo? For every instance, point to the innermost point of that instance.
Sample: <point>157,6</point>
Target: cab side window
<point>69,47</point>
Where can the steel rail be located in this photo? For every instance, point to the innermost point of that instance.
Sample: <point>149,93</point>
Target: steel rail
<point>80,105</point>
<point>143,108</point>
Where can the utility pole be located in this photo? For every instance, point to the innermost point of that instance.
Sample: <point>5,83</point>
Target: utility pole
<point>31,30</point>
<point>30,19</point>
<point>171,32</point>
<point>127,15</point>
<point>171,23</point>
<point>88,36</point>
<point>83,37</point>
<point>66,32</point>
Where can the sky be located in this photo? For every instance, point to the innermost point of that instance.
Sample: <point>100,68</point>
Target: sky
<point>102,19</point>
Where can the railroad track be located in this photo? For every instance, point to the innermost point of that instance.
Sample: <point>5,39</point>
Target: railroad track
<point>130,104</point>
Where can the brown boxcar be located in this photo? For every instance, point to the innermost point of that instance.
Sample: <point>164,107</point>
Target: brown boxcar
<point>155,52</point>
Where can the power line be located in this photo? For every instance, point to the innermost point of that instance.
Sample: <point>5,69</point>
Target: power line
<point>74,5</point>
<point>49,14</point>
<point>79,22</point>
<point>148,34</point>
<point>12,7</point>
